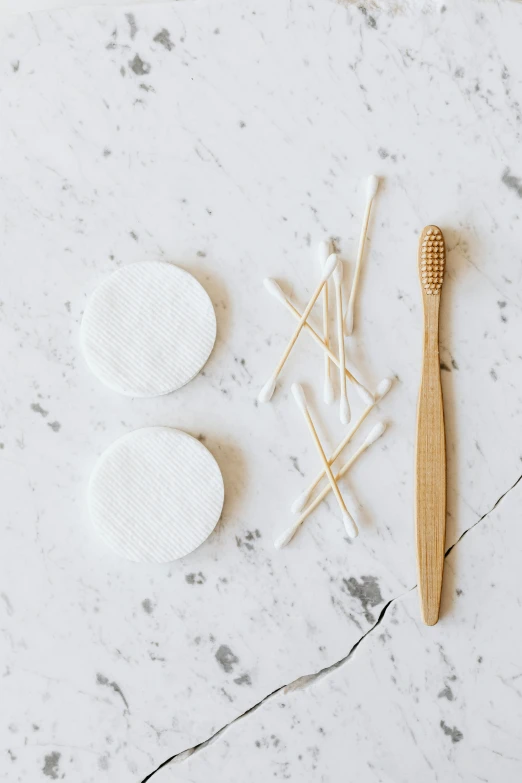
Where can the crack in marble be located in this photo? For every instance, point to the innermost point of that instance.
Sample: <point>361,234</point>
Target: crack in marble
<point>308,679</point>
<point>500,499</point>
<point>297,684</point>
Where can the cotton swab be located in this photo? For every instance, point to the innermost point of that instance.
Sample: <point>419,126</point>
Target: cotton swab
<point>324,250</point>
<point>285,537</point>
<point>268,389</point>
<point>300,398</point>
<point>371,190</point>
<point>344,407</point>
<point>273,288</point>
<point>382,389</point>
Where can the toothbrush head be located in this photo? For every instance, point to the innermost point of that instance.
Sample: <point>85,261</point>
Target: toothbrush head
<point>432,260</point>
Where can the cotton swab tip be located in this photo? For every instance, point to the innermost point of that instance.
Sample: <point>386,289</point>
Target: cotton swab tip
<point>364,394</point>
<point>300,397</point>
<point>371,186</point>
<point>324,250</point>
<point>274,289</point>
<point>265,395</point>
<point>338,273</point>
<point>329,267</point>
<point>344,410</point>
<point>375,433</point>
<point>328,394</point>
<point>383,388</point>
<point>285,537</point>
<point>300,502</point>
<point>350,526</point>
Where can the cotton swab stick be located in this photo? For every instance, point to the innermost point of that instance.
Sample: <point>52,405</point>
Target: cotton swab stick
<point>324,250</point>
<point>285,537</point>
<point>268,389</point>
<point>273,288</point>
<point>382,389</point>
<point>300,398</point>
<point>344,407</point>
<point>371,190</point>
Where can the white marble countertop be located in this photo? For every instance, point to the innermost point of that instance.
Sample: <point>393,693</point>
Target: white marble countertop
<point>229,137</point>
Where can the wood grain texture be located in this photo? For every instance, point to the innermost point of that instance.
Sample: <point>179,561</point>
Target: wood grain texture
<point>430,501</point>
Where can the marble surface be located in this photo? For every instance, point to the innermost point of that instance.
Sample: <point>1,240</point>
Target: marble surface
<point>229,138</point>
<point>24,6</point>
<point>411,703</point>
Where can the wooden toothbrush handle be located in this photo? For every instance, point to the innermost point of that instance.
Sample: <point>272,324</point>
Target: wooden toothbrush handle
<point>430,501</point>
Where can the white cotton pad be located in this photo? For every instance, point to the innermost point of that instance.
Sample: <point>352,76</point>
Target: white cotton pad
<point>148,329</point>
<point>155,495</point>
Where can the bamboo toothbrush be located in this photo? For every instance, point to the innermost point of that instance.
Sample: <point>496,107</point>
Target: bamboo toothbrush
<point>430,500</point>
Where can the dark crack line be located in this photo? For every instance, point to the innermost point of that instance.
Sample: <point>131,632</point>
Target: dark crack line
<point>308,679</point>
<point>491,510</point>
<point>295,685</point>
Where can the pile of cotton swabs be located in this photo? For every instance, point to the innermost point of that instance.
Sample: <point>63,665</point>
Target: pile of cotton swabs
<point>331,267</point>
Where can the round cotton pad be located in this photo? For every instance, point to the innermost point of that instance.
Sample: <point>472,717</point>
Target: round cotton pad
<point>155,495</point>
<point>148,329</point>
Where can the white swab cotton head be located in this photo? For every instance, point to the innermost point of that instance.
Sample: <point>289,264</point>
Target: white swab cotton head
<point>324,249</point>
<point>350,526</point>
<point>328,393</point>
<point>371,186</point>
<point>331,263</point>
<point>265,395</point>
<point>375,433</point>
<point>364,394</point>
<point>383,388</point>
<point>344,410</point>
<point>284,538</point>
<point>274,289</point>
<point>299,395</point>
<point>300,502</point>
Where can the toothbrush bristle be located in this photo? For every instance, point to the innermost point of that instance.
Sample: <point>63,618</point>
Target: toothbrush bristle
<point>432,260</point>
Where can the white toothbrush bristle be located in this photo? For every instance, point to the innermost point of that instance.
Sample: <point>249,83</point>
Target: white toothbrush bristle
<point>432,260</point>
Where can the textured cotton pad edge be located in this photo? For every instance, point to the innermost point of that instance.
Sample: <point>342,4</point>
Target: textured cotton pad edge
<point>128,523</point>
<point>91,352</point>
